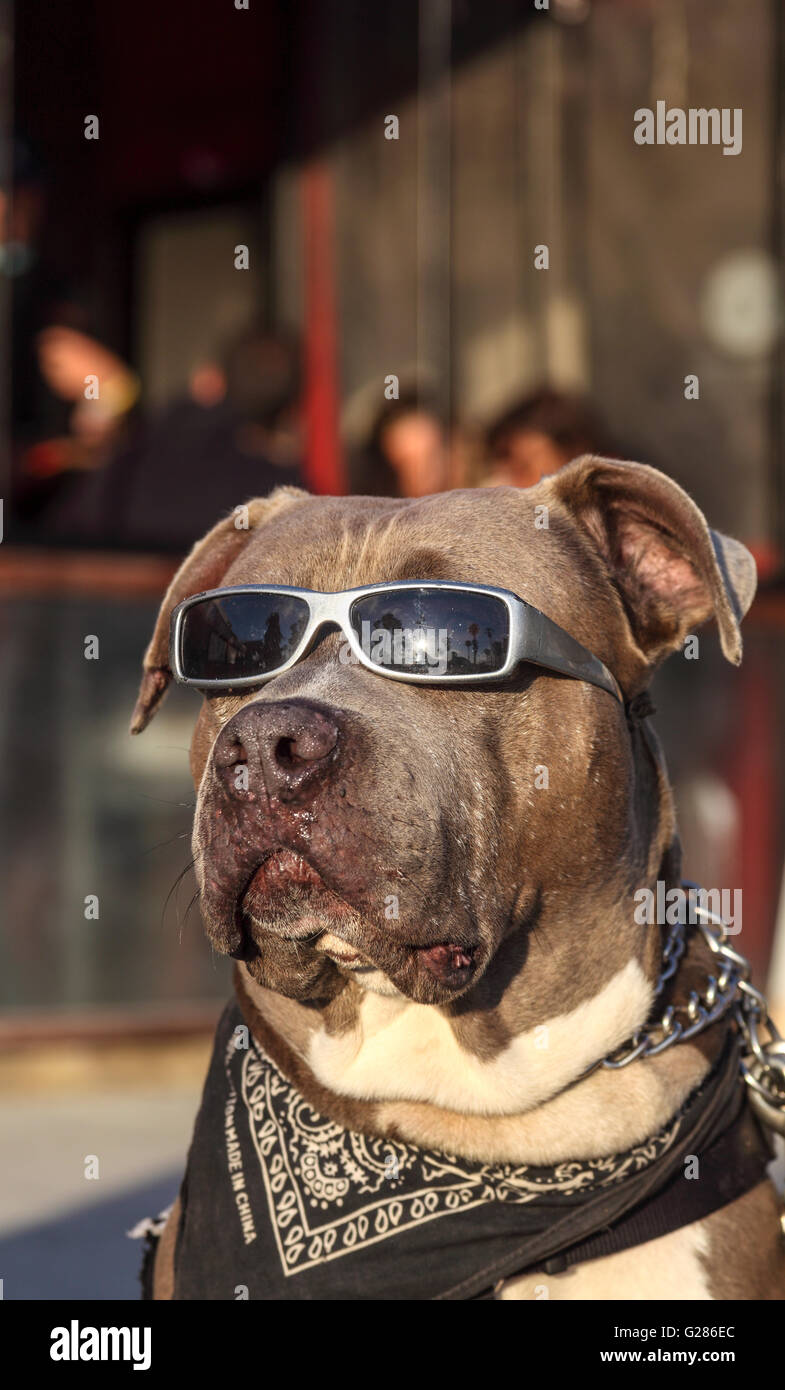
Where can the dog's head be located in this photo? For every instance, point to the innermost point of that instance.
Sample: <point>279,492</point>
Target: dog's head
<point>408,836</point>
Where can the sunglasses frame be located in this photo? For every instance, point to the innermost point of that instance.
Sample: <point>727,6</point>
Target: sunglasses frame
<point>533,637</point>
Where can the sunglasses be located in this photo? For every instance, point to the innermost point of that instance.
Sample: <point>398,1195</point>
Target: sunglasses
<point>429,631</point>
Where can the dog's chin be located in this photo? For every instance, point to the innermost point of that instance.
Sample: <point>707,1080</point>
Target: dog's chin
<point>311,981</point>
<point>422,974</point>
<point>303,940</point>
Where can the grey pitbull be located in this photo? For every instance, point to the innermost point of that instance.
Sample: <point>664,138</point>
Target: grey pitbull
<point>510,826</point>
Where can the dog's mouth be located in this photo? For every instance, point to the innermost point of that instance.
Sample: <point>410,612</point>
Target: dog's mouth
<point>288,897</point>
<point>287,892</point>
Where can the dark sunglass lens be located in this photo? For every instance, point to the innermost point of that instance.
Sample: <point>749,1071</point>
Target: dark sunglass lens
<point>433,632</point>
<point>237,635</point>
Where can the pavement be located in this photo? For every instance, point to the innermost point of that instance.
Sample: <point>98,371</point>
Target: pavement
<point>80,1166</point>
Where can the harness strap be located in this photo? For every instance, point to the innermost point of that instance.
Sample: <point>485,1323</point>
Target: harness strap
<point>730,1167</point>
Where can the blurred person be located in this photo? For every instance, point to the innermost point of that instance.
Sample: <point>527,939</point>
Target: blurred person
<point>66,358</point>
<point>49,351</point>
<point>540,433</point>
<point>233,435</point>
<point>408,453</point>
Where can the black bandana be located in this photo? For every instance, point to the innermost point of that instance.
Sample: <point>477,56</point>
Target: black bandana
<point>279,1202</point>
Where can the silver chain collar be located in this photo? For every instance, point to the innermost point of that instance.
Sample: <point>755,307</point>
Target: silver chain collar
<point>729,990</point>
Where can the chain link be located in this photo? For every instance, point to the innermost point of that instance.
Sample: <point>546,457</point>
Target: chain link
<point>729,989</point>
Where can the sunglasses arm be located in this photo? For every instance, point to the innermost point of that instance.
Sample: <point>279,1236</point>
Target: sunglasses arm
<point>546,644</point>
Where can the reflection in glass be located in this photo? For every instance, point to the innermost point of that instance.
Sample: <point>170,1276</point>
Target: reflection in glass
<point>433,631</point>
<point>241,635</point>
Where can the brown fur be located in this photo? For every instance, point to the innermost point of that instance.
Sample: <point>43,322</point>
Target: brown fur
<point>163,1269</point>
<point>744,1259</point>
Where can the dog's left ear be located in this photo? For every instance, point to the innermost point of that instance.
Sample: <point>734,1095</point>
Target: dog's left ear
<point>671,570</point>
<point>203,568</point>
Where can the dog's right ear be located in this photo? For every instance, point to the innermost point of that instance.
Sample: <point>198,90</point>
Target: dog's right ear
<point>204,568</point>
<point>670,570</point>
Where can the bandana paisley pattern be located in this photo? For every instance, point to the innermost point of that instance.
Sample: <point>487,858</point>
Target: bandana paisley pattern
<point>331,1191</point>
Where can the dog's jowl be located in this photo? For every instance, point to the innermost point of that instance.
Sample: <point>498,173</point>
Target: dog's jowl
<point>427,875</point>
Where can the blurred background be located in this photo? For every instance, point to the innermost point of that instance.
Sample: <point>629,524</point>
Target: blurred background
<point>385,248</point>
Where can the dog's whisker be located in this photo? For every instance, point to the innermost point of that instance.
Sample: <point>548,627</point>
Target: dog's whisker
<point>181,835</point>
<point>174,888</point>
<point>185,917</point>
<point>163,801</point>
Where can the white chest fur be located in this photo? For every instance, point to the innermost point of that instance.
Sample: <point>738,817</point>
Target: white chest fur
<point>667,1268</point>
<point>405,1051</point>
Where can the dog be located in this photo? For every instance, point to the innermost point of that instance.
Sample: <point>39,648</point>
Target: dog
<point>428,890</point>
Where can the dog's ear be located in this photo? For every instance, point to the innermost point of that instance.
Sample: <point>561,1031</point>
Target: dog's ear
<point>204,568</point>
<point>671,571</point>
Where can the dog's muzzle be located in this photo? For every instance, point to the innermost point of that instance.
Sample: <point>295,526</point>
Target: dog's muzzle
<point>287,855</point>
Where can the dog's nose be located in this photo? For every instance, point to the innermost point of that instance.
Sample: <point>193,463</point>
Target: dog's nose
<point>285,749</point>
